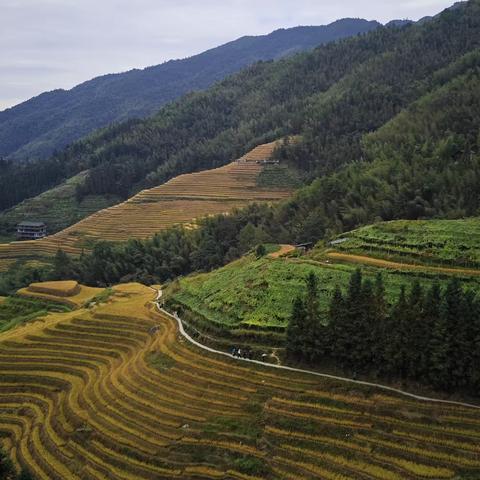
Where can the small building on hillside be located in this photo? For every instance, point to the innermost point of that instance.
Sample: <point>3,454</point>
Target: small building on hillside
<point>304,247</point>
<point>31,230</point>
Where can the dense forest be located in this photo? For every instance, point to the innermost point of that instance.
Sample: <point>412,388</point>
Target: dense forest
<point>49,122</point>
<point>424,163</point>
<point>331,96</point>
<point>430,336</point>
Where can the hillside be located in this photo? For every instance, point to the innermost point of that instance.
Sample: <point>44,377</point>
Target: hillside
<point>182,200</point>
<point>332,96</point>
<point>111,392</point>
<point>51,121</point>
<point>252,298</point>
<point>441,243</point>
<point>58,207</point>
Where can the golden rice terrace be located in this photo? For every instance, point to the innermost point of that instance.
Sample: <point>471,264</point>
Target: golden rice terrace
<point>113,392</point>
<point>182,200</point>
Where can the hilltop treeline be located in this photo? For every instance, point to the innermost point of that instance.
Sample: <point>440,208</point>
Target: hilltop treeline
<point>332,97</point>
<point>431,336</point>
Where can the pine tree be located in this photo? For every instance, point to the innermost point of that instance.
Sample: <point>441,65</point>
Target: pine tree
<point>336,322</point>
<point>395,358</point>
<point>62,266</point>
<point>311,300</point>
<point>414,333</point>
<point>441,342</point>
<point>453,312</point>
<point>296,333</point>
<point>379,324</point>
<point>314,342</point>
<point>431,314</point>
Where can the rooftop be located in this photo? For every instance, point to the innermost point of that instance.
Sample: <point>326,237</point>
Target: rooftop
<point>31,224</point>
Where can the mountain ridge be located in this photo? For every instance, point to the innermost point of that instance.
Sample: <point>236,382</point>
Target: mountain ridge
<point>52,120</point>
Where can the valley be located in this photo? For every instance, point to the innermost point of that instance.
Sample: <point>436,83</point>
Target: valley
<point>262,262</point>
<point>247,298</point>
<point>112,392</point>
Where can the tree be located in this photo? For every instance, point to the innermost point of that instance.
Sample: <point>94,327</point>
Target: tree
<point>414,331</point>
<point>62,266</point>
<point>397,330</point>
<point>431,314</point>
<point>246,238</point>
<point>296,330</point>
<point>261,251</point>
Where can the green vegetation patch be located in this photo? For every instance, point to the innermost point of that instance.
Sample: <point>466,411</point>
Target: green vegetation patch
<point>160,361</point>
<point>102,297</point>
<point>58,207</point>
<point>278,176</point>
<point>450,242</point>
<point>238,426</point>
<point>16,311</point>
<point>259,292</point>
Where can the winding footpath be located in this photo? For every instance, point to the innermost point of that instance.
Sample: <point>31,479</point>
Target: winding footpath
<point>379,262</point>
<point>299,370</point>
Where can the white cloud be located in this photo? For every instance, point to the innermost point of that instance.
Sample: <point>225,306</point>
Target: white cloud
<point>47,44</point>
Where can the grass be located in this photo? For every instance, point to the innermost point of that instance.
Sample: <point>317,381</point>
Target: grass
<point>57,207</point>
<point>67,292</point>
<point>453,243</point>
<point>159,360</point>
<point>115,392</point>
<point>259,293</point>
<point>279,176</point>
<point>16,311</point>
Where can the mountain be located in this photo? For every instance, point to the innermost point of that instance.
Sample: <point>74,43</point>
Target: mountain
<point>331,96</point>
<point>34,129</point>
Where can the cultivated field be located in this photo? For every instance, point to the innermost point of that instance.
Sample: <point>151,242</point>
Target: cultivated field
<point>67,292</point>
<point>451,243</point>
<point>57,207</point>
<point>112,392</point>
<point>182,200</point>
<point>251,299</point>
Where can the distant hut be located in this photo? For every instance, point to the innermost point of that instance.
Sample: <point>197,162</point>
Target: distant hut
<point>31,230</point>
<point>304,247</point>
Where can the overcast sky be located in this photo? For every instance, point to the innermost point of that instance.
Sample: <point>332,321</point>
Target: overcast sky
<point>48,44</point>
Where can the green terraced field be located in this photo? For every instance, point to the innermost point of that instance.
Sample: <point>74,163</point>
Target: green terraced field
<point>251,293</point>
<point>58,208</point>
<point>442,242</point>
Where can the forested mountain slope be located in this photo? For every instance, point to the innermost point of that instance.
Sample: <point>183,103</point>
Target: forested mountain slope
<point>332,96</point>
<point>34,129</point>
<point>181,201</point>
<point>424,163</point>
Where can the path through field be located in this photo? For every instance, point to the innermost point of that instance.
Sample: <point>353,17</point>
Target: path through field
<point>284,249</point>
<point>309,372</point>
<point>120,392</point>
<point>378,262</point>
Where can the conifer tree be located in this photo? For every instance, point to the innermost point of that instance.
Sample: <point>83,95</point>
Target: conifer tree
<point>414,333</point>
<point>296,334</point>
<point>380,323</point>
<point>62,267</point>
<point>431,314</point>
<point>396,361</point>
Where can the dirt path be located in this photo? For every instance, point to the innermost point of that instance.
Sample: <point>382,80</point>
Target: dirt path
<point>284,249</point>
<point>299,370</point>
<point>378,262</point>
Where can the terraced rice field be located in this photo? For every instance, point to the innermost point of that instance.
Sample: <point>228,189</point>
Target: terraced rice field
<point>182,200</point>
<point>113,392</point>
<point>67,292</point>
